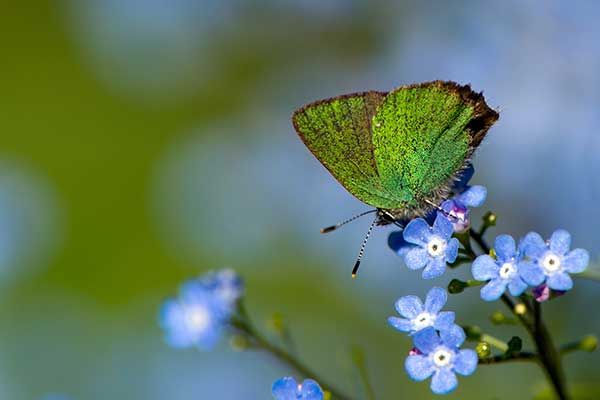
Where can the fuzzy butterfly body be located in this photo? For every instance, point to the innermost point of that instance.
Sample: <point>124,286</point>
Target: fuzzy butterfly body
<point>399,151</point>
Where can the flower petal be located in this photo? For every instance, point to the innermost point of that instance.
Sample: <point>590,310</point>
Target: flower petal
<point>443,381</point>
<point>473,196</point>
<point>465,362</point>
<point>451,250</point>
<point>397,243</point>
<point>576,261</point>
<point>453,337</point>
<point>418,367</point>
<point>409,306</point>
<point>435,300</point>
<point>426,340</point>
<point>505,247</point>
<point>402,324</point>
<point>444,320</point>
<point>532,245</point>
<point>560,281</point>
<point>311,390</point>
<point>416,258</point>
<point>493,290</point>
<point>484,268</point>
<point>531,273</point>
<point>442,227</point>
<point>517,286</point>
<point>434,268</point>
<point>285,389</point>
<point>417,232</point>
<point>560,242</point>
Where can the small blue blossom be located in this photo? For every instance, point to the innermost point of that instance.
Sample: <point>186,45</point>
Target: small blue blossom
<point>457,208</point>
<point>198,316</point>
<point>552,262</point>
<point>418,316</point>
<point>441,358</point>
<point>429,247</point>
<point>288,389</point>
<point>226,285</point>
<point>502,272</point>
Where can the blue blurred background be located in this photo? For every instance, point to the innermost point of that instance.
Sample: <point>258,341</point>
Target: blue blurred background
<point>146,141</point>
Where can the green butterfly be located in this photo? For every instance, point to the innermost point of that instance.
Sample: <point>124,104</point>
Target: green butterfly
<point>399,151</point>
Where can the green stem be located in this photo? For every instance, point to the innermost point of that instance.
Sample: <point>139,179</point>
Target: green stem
<point>549,356</point>
<point>359,360</point>
<point>521,356</point>
<point>494,342</point>
<point>245,326</point>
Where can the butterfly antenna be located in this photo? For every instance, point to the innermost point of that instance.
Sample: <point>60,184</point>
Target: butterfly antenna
<point>336,226</point>
<point>440,209</point>
<point>362,248</point>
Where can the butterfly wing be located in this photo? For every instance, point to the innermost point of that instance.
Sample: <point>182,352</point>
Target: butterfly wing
<point>423,135</point>
<point>338,132</point>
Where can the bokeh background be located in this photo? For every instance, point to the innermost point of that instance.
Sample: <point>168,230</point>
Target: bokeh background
<point>146,141</point>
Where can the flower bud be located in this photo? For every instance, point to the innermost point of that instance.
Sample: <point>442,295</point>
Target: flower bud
<point>588,343</point>
<point>456,286</point>
<point>483,350</point>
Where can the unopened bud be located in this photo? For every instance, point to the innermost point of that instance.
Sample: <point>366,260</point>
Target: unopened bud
<point>498,318</point>
<point>473,332</point>
<point>520,309</point>
<point>483,350</point>
<point>456,286</point>
<point>515,344</point>
<point>489,219</point>
<point>588,343</point>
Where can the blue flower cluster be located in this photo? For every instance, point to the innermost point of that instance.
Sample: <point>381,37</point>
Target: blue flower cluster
<point>437,340</point>
<point>288,389</point>
<point>198,316</point>
<point>533,263</point>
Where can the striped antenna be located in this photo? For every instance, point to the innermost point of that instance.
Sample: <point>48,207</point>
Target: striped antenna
<point>336,226</point>
<point>362,248</point>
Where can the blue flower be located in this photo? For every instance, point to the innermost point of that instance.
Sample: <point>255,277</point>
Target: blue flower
<point>440,358</point>
<point>201,312</point>
<point>503,272</point>
<point>418,317</point>
<point>288,389</point>
<point>456,209</point>
<point>226,285</point>
<point>430,247</point>
<point>552,262</point>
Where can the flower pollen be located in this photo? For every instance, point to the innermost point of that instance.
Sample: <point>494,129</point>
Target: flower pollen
<point>507,270</point>
<point>197,318</point>
<point>423,320</point>
<point>442,357</point>
<point>551,262</point>
<point>436,247</point>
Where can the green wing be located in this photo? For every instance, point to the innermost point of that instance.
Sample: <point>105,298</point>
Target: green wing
<point>423,134</point>
<point>338,132</point>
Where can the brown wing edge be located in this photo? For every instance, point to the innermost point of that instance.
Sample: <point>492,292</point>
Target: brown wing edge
<point>328,100</point>
<point>483,116</point>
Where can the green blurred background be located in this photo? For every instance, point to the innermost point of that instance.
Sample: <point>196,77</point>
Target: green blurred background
<point>144,142</point>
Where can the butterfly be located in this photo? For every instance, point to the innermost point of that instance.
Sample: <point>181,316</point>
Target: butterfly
<point>399,151</point>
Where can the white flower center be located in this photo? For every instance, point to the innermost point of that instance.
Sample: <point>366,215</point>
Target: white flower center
<point>436,246</point>
<point>423,320</point>
<point>197,318</point>
<point>442,357</point>
<point>551,262</point>
<point>507,270</point>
